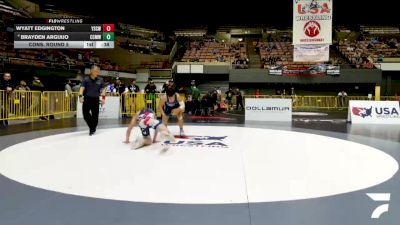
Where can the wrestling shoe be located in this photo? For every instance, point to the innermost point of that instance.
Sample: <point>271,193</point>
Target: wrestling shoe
<point>181,133</point>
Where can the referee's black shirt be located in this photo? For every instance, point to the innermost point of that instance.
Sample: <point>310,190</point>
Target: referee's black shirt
<point>92,87</point>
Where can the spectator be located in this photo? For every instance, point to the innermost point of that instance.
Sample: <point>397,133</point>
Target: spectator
<point>213,98</point>
<point>7,86</point>
<point>22,86</point>
<point>189,106</point>
<point>370,96</point>
<point>153,87</point>
<point>164,87</point>
<point>150,87</point>
<point>239,99</point>
<point>182,91</point>
<point>109,87</point>
<point>195,93</point>
<point>257,93</point>
<point>119,86</point>
<point>342,99</point>
<point>76,87</point>
<point>292,91</point>
<point>368,64</point>
<point>68,88</point>
<point>21,108</point>
<point>217,96</point>
<point>207,105</point>
<point>37,85</point>
<point>150,91</point>
<point>121,89</point>
<point>228,98</point>
<point>133,88</point>
<point>220,58</point>
<point>116,67</point>
<point>211,103</point>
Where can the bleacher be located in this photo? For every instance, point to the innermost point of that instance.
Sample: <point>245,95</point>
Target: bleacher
<point>379,30</point>
<point>139,46</point>
<point>154,65</point>
<point>374,44</point>
<point>275,53</point>
<point>140,40</point>
<point>213,51</point>
<point>8,9</point>
<point>281,53</point>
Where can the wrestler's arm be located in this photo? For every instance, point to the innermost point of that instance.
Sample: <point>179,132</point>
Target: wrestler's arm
<point>132,124</point>
<point>161,106</point>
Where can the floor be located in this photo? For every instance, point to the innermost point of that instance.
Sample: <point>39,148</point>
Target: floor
<point>316,170</point>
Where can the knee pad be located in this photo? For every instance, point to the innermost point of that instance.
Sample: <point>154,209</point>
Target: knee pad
<point>137,142</point>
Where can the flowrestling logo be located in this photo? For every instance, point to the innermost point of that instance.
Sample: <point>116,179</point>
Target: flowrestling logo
<point>199,141</point>
<point>378,112</point>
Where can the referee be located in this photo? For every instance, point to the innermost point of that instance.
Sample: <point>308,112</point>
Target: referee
<point>89,94</point>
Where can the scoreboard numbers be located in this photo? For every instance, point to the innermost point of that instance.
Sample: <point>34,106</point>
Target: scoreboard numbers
<point>108,36</point>
<point>108,27</point>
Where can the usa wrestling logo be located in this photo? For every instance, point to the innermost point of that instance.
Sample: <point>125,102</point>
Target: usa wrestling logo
<point>362,112</point>
<point>199,141</point>
<point>312,28</point>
